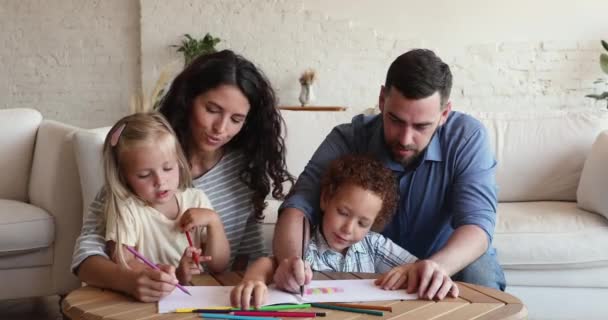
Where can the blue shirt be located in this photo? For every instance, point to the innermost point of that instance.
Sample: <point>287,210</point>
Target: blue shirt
<point>373,254</point>
<point>453,185</point>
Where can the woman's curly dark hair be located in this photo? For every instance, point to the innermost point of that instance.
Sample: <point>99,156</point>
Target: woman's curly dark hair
<point>369,174</point>
<point>259,139</point>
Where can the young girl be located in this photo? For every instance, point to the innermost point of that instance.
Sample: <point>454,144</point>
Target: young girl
<point>357,194</point>
<point>148,204</point>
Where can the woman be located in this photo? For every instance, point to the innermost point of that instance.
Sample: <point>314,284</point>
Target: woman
<point>223,111</point>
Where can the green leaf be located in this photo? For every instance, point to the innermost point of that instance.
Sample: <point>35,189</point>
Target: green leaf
<point>602,96</point>
<point>604,62</point>
<point>605,45</point>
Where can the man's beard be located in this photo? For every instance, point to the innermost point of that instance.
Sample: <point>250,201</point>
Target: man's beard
<point>407,161</point>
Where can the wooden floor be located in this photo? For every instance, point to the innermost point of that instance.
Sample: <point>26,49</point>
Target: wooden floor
<point>44,308</point>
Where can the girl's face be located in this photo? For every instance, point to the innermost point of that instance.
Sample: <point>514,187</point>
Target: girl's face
<point>348,216</point>
<point>152,172</point>
<point>217,116</point>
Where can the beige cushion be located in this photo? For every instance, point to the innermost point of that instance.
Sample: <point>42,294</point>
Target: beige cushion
<point>88,145</point>
<point>24,228</point>
<point>592,193</point>
<point>550,234</point>
<point>18,129</point>
<point>541,154</point>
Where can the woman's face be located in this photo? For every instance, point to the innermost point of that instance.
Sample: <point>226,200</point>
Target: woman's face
<point>217,116</point>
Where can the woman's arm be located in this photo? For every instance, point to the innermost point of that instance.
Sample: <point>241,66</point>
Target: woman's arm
<point>217,245</point>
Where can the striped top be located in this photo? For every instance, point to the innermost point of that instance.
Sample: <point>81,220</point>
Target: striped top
<point>374,254</point>
<point>229,196</point>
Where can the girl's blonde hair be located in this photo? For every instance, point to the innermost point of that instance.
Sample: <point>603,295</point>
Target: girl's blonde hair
<point>128,132</point>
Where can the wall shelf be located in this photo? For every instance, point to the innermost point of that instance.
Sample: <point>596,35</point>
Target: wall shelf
<point>312,108</point>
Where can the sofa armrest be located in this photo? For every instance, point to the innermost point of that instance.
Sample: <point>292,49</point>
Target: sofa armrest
<point>593,185</point>
<point>55,187</point>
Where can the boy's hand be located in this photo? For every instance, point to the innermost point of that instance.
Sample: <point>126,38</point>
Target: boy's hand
<point>196,217</point>
<point>249,292</point>
<point>423,276</point>
<point>187,267</point>
<point>291,274</point>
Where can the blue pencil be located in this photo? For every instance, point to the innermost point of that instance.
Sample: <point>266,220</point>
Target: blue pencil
<point>233,317</point>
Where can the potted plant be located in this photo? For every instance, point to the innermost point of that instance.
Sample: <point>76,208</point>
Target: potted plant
<point>192,48</point>
<point>604,67</point>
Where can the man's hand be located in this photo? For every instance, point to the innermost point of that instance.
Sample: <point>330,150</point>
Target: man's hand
<point>150,285</point>
<point>249,292</point>
<point>425,277</point>
<point>291,274</point>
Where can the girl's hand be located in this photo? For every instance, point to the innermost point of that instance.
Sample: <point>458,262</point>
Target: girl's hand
<point>249,292</point>
<point>197,217</point>
<point>187,267</point>
<point>150,285</point>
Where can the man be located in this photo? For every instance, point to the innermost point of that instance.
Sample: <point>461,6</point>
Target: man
<point>445,170</point>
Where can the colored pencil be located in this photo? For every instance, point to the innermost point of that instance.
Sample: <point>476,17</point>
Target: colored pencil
<point>188,310</point>
<point>362,306</point>
<point>153,266</point>
<point>231,316</point>
<point>332,307</point>
<point>194,255</point>
<point>280,307</point>
<point>256,313</point>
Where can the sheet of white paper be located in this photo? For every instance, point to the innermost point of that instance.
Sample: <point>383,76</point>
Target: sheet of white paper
<point>351,291</point>
<point>317,291</point>
<point>202,297</point>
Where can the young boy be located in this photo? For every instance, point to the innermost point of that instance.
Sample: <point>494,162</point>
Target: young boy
<point>358,194</point>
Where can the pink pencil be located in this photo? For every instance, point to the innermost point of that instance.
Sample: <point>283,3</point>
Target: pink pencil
<point>255,313</point>
<point>153,266</point>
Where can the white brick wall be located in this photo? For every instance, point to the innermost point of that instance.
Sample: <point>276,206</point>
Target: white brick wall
<point>352,59</point>
<point>76,61</point>
<point>79,61</point>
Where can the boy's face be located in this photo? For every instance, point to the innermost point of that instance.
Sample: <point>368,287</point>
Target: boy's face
<point>348,216</point>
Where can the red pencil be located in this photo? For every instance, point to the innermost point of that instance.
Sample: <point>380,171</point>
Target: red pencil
<point>194,255</point>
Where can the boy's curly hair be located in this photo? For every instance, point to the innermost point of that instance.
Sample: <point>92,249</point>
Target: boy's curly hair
<point>365,172</point>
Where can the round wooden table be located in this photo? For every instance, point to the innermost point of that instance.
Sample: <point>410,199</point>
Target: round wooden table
<point>474,302</point>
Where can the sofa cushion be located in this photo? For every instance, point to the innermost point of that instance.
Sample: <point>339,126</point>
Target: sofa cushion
<point>593,187</point>
<point>541,154</point>
<point>550,235</point>
<point>18,129</point>
<point>88,145</point>
<point>24,228</point>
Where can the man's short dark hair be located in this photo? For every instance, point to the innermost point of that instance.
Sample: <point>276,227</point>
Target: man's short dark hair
<point>418,74</point>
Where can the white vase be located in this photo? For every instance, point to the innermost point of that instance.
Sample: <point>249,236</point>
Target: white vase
<point>307,95</point>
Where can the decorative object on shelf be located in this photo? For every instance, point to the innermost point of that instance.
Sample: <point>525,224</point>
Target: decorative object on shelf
<point>312,108</point>
<point>307,80</point>
<point>604,67</point>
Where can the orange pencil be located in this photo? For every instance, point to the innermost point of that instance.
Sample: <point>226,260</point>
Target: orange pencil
<point>363,306</point>
<point>194,255</point>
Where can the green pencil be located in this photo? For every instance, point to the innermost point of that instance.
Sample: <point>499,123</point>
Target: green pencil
<point>279,307</point>
<point>332,307</point>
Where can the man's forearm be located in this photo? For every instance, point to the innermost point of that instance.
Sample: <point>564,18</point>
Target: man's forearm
<point>287,241</point>
<point>464,246</point>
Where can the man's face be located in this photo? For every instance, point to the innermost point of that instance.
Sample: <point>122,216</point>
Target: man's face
<point>409,124</point>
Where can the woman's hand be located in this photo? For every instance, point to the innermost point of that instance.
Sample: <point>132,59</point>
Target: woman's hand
<point>423,276</point>
<point>197,217</point>
<point>249,292</point>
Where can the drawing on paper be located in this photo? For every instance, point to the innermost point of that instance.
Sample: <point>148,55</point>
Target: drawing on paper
<point>323,290</point>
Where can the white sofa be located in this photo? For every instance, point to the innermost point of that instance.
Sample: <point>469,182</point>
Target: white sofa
<point>555,255</point>
<point>40,205</point>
